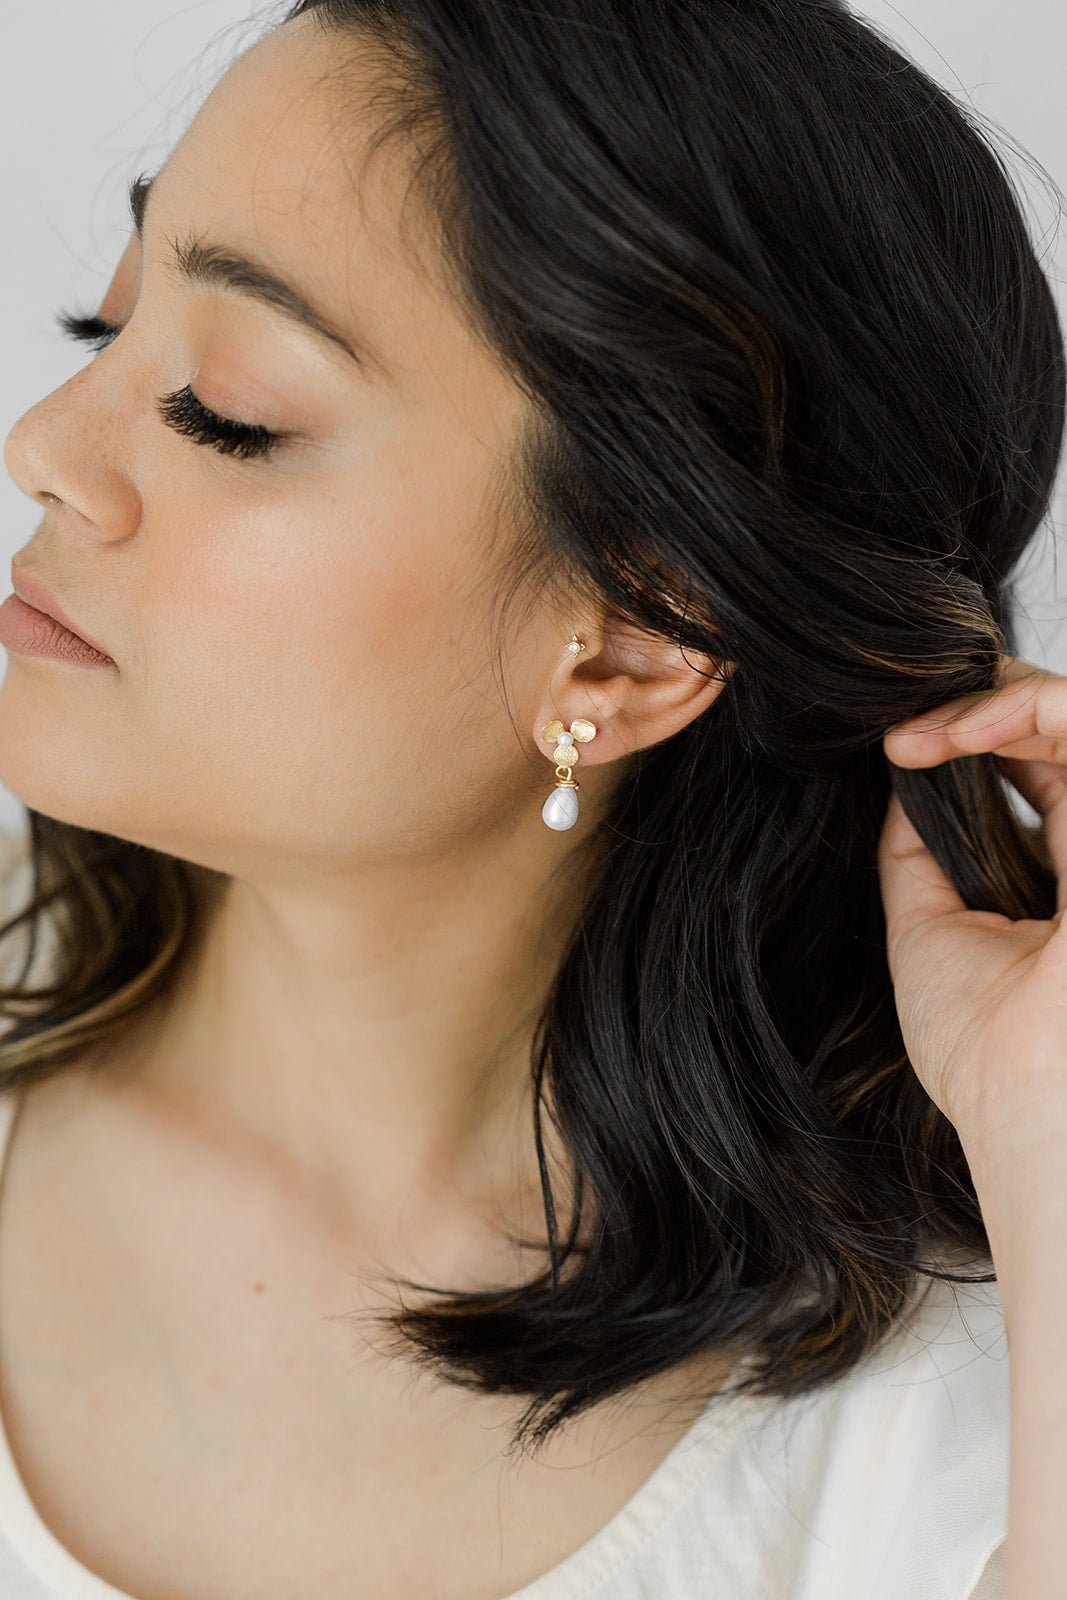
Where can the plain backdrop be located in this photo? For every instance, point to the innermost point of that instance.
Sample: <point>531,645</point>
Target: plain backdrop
<point>92,95</point>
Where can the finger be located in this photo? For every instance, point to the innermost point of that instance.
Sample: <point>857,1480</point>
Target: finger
<point>1042,783</point>
<point>1026,718</point>
<point>1010,670</point>
<point>914,887</point>
<point>1045,787</point>
<point>1029,700</point>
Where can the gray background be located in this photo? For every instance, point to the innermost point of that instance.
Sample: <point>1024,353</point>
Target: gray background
<point>92,94</point>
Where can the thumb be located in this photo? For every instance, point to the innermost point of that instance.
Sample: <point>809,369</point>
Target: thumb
<point>914,887</point>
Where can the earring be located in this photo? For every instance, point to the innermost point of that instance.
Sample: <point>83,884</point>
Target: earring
<point>560,810</point>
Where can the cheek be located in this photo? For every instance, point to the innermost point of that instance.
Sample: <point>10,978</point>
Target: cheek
<point>317,664</point>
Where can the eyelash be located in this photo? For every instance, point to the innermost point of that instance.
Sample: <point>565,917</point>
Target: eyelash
<point>181,410</point>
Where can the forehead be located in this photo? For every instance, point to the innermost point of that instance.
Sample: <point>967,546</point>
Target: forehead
<point>272,164</point>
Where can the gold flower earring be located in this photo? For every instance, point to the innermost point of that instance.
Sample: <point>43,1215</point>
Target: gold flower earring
<point>560,810</point>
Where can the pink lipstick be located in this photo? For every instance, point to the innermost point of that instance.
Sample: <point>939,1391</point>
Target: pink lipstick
<point>32,623</point>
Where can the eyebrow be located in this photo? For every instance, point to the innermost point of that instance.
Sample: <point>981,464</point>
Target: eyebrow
<point>221,267</point>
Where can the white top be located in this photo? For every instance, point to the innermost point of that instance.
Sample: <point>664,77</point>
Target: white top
<point>889,1485</point>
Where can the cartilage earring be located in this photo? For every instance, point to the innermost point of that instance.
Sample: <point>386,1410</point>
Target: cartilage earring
<point>560,810</point>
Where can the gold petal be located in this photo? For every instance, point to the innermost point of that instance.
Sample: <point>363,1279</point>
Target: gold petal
<point>582,730</point>
<point>566,755</point>
<point>552,730</point>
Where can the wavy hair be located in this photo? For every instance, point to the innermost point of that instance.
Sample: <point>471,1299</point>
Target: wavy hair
<point>796,384</point>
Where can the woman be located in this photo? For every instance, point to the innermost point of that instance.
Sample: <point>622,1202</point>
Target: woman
<point>665,394</point>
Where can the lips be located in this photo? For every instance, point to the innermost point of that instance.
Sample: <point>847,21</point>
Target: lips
<point>34,593</point>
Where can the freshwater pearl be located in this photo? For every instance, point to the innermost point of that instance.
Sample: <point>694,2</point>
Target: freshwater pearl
<point>560,810</point>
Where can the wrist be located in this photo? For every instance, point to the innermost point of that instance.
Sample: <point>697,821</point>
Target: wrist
<point>1018,1170</point>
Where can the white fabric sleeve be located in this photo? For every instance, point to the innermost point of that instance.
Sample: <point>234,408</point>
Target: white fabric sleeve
<point>993,1581</point>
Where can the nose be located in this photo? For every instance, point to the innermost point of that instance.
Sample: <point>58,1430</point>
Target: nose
<point>63,454</point>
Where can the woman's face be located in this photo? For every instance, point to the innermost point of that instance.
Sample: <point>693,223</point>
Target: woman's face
<point>301,641</point>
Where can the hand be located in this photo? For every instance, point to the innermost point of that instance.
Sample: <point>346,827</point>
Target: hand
<point>982,999</point>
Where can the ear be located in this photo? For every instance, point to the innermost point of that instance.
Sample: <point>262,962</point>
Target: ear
<point>637,688</point>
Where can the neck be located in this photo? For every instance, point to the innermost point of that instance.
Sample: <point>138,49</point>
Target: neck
<point>363,1036</point>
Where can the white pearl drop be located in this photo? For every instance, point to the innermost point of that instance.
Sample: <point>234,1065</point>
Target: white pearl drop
<point>560,810</point>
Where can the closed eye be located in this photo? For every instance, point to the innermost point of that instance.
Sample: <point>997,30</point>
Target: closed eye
<point>181,410</point>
